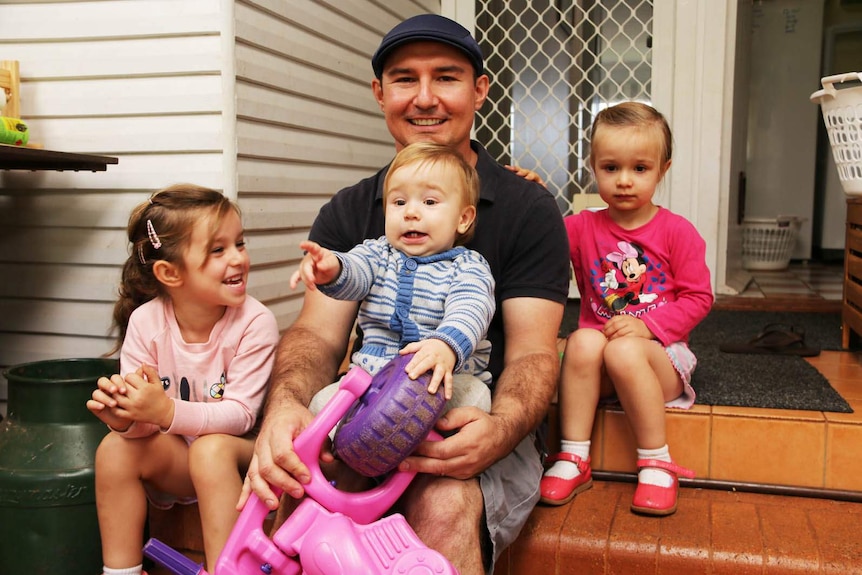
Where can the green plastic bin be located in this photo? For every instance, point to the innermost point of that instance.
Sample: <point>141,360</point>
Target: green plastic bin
<point>48,523</point>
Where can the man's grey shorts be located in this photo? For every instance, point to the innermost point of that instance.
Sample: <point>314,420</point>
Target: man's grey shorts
<point>510,488</point>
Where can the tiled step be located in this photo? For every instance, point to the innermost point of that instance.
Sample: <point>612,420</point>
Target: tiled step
<point>713,532</point>
<point>810,449</point>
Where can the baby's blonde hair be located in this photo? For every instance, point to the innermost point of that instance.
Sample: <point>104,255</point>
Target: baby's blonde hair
<point>430,153</point>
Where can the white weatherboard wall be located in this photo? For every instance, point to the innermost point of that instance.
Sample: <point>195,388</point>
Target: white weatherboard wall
<point>266,100</point>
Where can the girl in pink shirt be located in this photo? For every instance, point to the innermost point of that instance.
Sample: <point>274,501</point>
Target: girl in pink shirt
<point>195,355</point>
<point>644,286</point>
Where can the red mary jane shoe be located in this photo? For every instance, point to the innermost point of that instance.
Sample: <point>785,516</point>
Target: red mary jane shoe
<point>557,491</point>
<point>655,500</point>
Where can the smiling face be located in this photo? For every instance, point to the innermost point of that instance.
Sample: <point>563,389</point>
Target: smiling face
<point>428,93</point>
<point>215,265</point>
<point>628,165</point>
<point>426,208</point>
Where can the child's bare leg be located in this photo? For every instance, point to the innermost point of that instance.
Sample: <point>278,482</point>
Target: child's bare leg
<point>218,463</point>
<point>122,466</point>
<point>644,379</point>
<point>580,383</point>
<point>579,392</point>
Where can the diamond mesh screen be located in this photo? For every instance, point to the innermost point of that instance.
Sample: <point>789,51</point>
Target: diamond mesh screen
<point>553,65</point>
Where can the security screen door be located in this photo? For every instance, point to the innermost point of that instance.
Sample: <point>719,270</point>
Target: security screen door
<point>553,65</point>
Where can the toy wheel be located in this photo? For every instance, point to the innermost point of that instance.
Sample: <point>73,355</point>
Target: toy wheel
<point>389,421</point>
<point>423,562</point>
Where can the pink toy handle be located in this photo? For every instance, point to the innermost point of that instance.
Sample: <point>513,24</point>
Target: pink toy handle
<point>363,507</point>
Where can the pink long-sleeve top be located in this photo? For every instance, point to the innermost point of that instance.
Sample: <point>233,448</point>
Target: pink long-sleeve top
<point>217,386</point>
<point>656,272</point>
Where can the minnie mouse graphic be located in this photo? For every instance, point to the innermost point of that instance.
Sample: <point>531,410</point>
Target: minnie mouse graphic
<point>632,264</point>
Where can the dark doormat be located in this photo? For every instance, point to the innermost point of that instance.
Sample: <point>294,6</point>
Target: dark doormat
<point>764,381</point>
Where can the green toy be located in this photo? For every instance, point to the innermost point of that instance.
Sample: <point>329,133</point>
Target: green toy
<point>13,131</point>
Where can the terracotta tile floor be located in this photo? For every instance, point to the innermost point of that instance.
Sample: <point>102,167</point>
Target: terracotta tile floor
<point>713,532</point>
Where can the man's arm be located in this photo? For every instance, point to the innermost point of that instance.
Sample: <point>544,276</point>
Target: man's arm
<point>521,398</point>
<point>307,359</point>
<point>532,365</point>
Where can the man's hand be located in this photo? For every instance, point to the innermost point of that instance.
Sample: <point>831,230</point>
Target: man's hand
<point>478,444</point>
<point>529,175</point>
<point>275,463</point>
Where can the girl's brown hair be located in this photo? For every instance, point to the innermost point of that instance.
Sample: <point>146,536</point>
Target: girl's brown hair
<point>160,229</point>
<point>636,115</point>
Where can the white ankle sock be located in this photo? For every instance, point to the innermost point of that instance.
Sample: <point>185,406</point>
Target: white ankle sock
<point>567,469</point>
<point>652,476</point>
<point>136,570</point>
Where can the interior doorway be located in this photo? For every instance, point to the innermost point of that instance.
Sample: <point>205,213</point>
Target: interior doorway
<point>842,52</point>
<point>785,62</point>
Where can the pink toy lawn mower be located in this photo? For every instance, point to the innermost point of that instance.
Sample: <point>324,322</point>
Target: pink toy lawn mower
<point>332,532</point>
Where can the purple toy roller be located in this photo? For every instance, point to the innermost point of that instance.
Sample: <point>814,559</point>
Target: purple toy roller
<point>389,421</point>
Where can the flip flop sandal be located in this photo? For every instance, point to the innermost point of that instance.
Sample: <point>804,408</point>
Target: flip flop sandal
<point>774,339</point>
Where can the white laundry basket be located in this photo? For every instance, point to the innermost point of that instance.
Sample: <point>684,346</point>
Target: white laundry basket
<point>842,114</point>
<point>768,243</point>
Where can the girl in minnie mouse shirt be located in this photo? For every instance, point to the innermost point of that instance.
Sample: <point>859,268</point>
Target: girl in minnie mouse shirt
<point>644,286</point>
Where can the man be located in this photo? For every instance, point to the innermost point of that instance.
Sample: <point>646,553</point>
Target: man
<point>477,487</point>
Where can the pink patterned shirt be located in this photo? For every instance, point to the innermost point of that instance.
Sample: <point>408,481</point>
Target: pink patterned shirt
<point>656,272</point>
<point>217,386</point>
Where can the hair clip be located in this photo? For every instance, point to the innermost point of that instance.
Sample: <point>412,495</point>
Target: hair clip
<point>151,233</point>
<point>141,254</point>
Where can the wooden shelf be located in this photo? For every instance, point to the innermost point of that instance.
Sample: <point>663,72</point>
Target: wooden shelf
<point>20,158</point>
<point>851,313</point>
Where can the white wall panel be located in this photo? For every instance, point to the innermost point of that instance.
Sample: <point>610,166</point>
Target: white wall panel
<point>25,347</point>
<point>266,141</point>
<point>63,209</point>
<point>358,120</point>
<point>128,57</point>
<point>273,177</point>
<point>120,97</point>
<point>134,172</point>
<point>277,212</point>
<point>94,19</point>
<point>276,247</point>
<point>182,133</point>
<point>308,81</point>
<point>75,282</point>
<point>272,283</point>
<point>64,245</point>
<point>85,318</point>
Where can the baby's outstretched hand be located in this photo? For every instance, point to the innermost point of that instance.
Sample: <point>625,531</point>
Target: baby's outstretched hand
<point>318,267</point>
<point>432,355</point>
